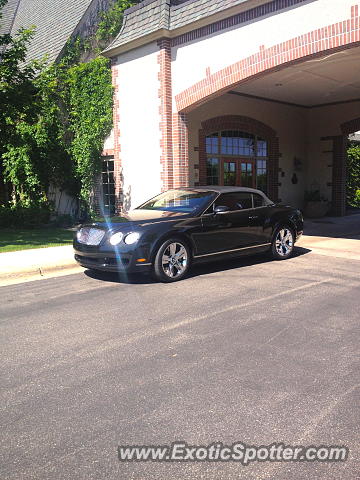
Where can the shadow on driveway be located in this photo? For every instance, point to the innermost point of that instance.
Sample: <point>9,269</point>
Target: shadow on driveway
<point>334,227</point>
<point>195,271</point>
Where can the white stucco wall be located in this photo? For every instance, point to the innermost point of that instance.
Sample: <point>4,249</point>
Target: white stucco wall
<point>224,48</point>
<point>139,104</point>
<point>109,141</point>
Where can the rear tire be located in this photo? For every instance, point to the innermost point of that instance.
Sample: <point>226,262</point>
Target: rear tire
<point>172,261</point>
<point>282,246</point>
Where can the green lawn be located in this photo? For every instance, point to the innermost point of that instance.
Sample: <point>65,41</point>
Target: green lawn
<point>12,239</point>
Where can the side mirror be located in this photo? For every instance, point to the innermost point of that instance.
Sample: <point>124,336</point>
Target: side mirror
<point>221,209</point>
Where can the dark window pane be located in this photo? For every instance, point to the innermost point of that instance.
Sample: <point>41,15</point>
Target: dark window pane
<point>212,171</point>
<point>243,200</point>
<point>212,143</point>
<point>108,185</point>
<point>230,173</point>
<point>261,148</point>
<point>261,175</point>
<point>246,175</point>
<point>258,200</point>
<point>235,201</point>
<point>237,143</point>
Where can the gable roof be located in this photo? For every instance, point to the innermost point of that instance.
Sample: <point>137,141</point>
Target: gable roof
<point>8,16</point>
<point>55,21</point>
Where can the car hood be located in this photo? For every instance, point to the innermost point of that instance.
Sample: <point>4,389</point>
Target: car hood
<point>139,216</point>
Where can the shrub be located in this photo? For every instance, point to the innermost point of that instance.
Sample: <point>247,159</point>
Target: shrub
<point>356,201</point>
<point>24,216</point>
<point>353,168</point>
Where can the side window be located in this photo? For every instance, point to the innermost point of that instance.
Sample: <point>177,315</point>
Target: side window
<point>243,200</point>
<point>258,200</point>
<point>235,201</point>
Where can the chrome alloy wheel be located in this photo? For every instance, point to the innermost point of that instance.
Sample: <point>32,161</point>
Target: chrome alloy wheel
<point>174,260</point>
<point>284,242</point>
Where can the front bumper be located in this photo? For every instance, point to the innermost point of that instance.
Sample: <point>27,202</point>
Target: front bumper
<point>111,261</point>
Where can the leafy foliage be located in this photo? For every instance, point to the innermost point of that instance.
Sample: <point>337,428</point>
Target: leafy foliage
<point>353,168</point>
<point>90,95</point>
<point>112,20</point>
<point>24,216</point>
<point>18,112</point>
<point>55,117</point>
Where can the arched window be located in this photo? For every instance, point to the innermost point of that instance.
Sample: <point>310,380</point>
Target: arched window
<point>236,158</point>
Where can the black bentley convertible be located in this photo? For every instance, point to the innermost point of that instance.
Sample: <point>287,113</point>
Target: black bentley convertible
<point>179,227</point>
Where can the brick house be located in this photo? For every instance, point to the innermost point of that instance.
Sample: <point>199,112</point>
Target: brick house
<point>244,92</point>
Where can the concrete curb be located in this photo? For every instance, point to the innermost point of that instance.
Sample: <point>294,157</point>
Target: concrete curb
<point>36,263</point>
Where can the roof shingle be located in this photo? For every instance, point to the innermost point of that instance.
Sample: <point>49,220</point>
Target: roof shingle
<point>152,15</point>
<point>191,11</point>
<point>55,21</point>
<point>144,18</point>
<point>8,16</point>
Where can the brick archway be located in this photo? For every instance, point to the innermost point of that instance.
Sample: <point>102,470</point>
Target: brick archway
<point>249,125</point>
<point>318,43</point>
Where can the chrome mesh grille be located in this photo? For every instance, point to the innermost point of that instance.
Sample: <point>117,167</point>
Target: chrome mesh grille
<point>90,236</point>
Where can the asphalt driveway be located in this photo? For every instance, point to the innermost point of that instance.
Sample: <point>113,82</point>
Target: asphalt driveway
<point>252,351</point>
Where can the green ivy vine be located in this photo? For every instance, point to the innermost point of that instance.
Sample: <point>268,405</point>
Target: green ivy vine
<point>53,132</point>
<point>90,114</point>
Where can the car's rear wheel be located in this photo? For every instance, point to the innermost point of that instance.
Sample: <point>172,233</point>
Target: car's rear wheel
<point>282,245</point>
<point>172,261</point>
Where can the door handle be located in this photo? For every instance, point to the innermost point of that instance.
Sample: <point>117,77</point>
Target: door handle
<point>253,217</point>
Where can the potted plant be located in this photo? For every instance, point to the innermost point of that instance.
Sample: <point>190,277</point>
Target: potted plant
<point>315,204</point>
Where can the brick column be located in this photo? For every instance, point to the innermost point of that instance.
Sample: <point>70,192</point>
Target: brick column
<point>202,158</point>
<point>180,150</point>
<point>339,176</point>
<point>165,95</point>
<point>273,169</point>
<point>117,147</point>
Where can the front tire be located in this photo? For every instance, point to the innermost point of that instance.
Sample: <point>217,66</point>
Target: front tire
<point>282,246</point>
<point>172,261</point>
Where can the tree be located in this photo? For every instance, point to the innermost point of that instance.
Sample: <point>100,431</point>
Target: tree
<point>54,118</point>
<point>17,94</point>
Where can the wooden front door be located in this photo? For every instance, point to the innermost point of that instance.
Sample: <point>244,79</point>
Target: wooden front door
<point>238,172</point>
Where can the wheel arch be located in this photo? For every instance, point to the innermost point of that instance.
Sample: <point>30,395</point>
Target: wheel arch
<point>167,236</point>
<point>283,222</point>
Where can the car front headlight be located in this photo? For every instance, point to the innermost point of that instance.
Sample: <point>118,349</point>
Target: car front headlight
<point>131,238</point>
<point>116,238</point>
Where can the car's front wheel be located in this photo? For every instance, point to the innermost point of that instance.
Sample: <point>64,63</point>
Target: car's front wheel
<point>282,245</point>
<point>172,261</point>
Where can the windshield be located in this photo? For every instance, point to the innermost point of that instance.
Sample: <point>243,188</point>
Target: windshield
<point>185,201</point>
